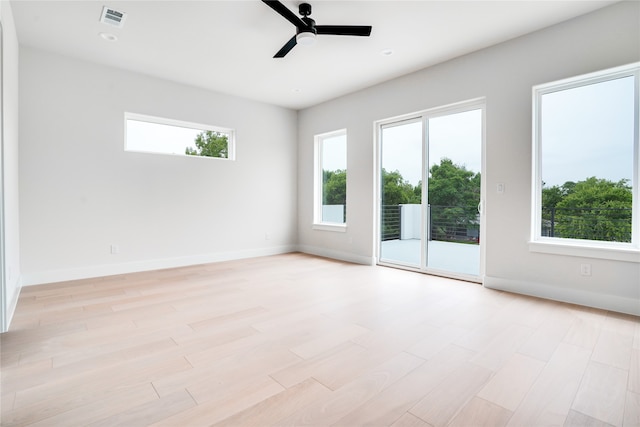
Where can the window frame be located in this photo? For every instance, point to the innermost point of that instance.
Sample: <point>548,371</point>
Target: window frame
<point>318,223</point>
<point>231,138</point>
<point>621,251</point>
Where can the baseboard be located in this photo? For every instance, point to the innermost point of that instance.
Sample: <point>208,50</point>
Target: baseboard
<point>568,295</point>
<point>339,255</point>
<point>52,276</point>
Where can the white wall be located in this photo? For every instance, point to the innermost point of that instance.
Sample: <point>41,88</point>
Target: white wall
<point>504,74</point>
<point>80,192</point>
<point>10,190</point>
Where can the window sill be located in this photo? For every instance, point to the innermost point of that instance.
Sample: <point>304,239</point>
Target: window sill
<point>586,250</point>
<point>340,228</point>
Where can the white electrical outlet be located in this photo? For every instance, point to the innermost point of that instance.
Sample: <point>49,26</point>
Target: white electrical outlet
<point>115,249</point>
<point>500,188</point>
<point>585,269</point>
<point>267,236</point>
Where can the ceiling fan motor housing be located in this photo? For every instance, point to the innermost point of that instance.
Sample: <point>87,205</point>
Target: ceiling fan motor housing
<point>310,28</point>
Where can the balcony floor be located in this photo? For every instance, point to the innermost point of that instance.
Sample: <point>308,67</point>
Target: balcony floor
<point>447,256</point>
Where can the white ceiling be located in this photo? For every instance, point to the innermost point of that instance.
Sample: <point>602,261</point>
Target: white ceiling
<point>227,46</point>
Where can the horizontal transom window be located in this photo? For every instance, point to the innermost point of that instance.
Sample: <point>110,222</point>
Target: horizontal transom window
<point>150,134</point>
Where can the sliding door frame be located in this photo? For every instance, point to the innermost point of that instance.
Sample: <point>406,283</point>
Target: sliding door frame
<point>424,116</point>
<point>4,321</point>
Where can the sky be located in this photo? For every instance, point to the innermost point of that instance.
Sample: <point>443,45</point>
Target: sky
<point>334,153</point>
<point>588,131</point>
<point>157,138</point>
<point>455,136</point>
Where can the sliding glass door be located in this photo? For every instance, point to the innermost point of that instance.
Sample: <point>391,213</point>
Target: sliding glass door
<point>453,208</point>
<point>430,191</point>
<point>401,146</point>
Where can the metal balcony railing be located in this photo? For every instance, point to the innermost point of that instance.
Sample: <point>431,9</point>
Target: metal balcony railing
<point>446,223</point>
<point>592,223</point>
<point>461,223</point>
<point>390,219</point>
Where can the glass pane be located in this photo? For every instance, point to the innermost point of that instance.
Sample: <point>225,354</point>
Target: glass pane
<point>587,161</point>
<point>334,179</point>
<point>455,161</point>
<point>401,210</point>
<point>159,138</point>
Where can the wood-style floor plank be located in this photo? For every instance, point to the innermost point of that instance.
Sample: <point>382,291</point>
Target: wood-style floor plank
<point>149,412</point>
<point>549,399</point>
<point>336,405</point>
<point>510,385</point>
<point>282,405</point>
<point>480,413</point>
<point>613,349</point>
<point>394,401</point>
<point>300,340</point>
<point>225,405</point>
<point>410,420</point>
<point>442,403</point>
<point>634,372</point>
<point>577,419</point>
<point>632,410</point>
<point>602,393</point>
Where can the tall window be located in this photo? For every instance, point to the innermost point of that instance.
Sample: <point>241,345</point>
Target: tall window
<point>165,136</point>
<point>331,179</point>
<point>586,157</point>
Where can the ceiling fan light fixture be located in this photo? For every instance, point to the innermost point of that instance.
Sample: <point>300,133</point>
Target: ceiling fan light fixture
<point>306,38</point>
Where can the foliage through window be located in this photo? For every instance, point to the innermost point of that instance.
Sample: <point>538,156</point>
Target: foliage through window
<point>165,136</point>
<point>454,194</point>
<point>331,178</point>
<point>586,158</point>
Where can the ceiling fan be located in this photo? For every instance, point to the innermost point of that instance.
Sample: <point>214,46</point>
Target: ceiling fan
<point>306,28</point>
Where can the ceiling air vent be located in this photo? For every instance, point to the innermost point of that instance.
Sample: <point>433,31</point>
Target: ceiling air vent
<point>112,17</point>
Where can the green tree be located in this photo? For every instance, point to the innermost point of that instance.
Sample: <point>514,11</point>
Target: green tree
<point>594,209</point>
<point>551,196</point>
<point>454,195</point>
<point>397,191</point>
<point>334,187</point>
<point>210,144</point>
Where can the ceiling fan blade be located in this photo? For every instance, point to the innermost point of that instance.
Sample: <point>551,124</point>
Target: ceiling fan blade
<point>344,30</point>
<point>286,48</point>
<point>285,13</point>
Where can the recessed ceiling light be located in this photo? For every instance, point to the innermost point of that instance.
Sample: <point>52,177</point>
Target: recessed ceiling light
<point>386,52</point>
<point>109,37</point>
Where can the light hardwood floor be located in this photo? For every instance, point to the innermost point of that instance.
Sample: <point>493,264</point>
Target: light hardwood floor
<point>300,340</point>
